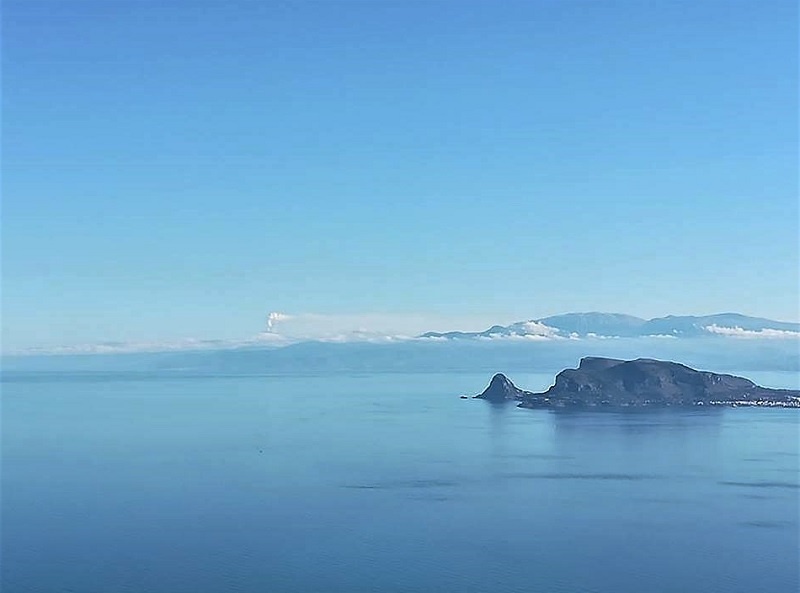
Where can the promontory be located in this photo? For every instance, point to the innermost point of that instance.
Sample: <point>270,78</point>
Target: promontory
<point>608,382</point>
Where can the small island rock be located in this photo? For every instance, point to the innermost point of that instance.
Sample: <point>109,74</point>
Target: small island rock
<point>501,389</point>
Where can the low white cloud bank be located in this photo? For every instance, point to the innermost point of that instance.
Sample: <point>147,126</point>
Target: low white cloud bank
<point>520,338</point>
<point>662,336</point>
<point>535,328</point>
<point>738,332</point>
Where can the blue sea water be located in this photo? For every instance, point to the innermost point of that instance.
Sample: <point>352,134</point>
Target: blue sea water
<point>155,483</point>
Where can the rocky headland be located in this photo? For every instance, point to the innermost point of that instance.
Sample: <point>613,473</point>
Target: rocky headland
<point>608,382</point>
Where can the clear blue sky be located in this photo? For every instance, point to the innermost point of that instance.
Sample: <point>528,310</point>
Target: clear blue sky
<point>181,168</point>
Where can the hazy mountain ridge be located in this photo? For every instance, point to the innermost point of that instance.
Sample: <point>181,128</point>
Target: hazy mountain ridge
<point>596,324</point>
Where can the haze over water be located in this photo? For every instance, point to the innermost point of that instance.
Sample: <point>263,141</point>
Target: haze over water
<point>155,483</point>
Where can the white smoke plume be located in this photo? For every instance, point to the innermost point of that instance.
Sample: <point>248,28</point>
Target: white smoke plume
<point>274,318</point>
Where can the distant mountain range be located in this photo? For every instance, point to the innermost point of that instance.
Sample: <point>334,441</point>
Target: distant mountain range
<point>587,325</point>
<point>544,344</point>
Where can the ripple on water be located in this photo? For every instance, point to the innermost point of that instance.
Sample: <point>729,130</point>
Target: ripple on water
<point>763,484</point>
<point>403,484</point>
<point>619,477</point>
<point>768,524</point>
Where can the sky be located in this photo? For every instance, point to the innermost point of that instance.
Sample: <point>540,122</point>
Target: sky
<point>180,169</point>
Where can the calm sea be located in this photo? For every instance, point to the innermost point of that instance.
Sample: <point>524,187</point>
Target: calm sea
<point>390,483</point>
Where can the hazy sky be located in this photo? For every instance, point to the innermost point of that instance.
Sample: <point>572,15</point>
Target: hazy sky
<point>180,169</point>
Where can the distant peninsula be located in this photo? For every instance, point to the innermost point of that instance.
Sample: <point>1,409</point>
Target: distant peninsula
<point>608,382</point>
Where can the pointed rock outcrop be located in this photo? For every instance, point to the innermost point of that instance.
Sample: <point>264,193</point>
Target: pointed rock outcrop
<point>501,389</point>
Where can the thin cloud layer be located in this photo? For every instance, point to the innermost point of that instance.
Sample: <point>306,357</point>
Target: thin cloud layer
<point>180,345</point>
<point>738,332</point>
<point>326,327</point>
